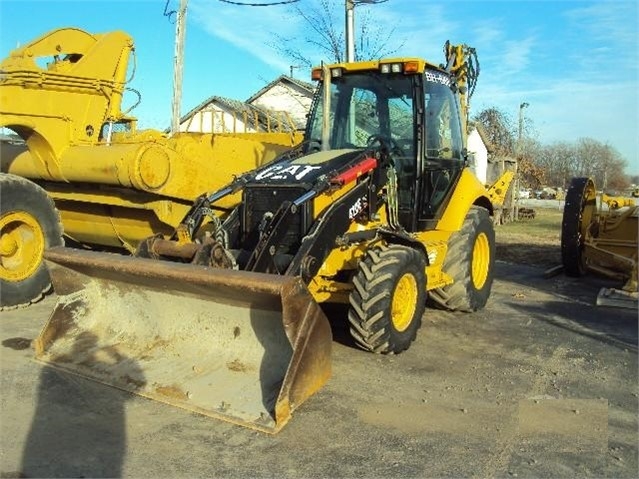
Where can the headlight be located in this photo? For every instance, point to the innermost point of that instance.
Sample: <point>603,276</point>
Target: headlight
<point>391,67</point>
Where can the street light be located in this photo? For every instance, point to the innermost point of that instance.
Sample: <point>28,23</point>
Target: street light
<point>515,191</point>
<point>293,67</point>
<point>521,118</point>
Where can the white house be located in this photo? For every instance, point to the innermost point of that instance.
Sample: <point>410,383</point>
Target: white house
<point>478,154</point>
<point>282,105</point>
<point>286,94</point>
<point>224,115</point>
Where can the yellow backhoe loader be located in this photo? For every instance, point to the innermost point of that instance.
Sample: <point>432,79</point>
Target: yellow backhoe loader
<point>599,235</point>
<point>377,209</point>
<point>86,172</point>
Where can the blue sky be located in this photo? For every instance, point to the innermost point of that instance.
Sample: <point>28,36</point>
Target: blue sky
<point>574,62</point>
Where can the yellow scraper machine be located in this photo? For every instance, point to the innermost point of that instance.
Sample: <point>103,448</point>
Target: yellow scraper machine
<point>376,208</point>
<point>599,235</point>
<point>77,165</point>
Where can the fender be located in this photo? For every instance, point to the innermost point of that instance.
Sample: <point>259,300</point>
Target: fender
<point>468,192</point>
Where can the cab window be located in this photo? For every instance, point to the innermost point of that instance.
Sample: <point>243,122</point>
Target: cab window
<point>443,131</point>
<point>443,147</point>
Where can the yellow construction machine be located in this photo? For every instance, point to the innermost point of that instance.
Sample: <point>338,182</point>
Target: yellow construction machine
<point>377,208</point>
<point>86,172</point>
<point>599,234</point>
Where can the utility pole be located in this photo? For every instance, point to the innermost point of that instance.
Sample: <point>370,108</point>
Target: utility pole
<point>350,31</point>
<point>350,25</point>
<point>178,66</point>
<point>349,34</point>
<point>178,63</point>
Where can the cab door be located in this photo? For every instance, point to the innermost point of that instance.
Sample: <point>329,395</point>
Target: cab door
<point>443,155</point>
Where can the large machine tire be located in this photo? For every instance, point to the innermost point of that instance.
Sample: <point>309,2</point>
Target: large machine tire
<point>29,224</point>
<point>579,210</point>
<point>470,261</point>
<point>388,299</point>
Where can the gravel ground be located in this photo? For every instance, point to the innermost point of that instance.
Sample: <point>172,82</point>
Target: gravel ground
<point>539,384</point>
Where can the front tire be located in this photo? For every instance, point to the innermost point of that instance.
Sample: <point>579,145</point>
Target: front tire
<point>470,261</point>
<point>29,224</point>
<point>388,299</point>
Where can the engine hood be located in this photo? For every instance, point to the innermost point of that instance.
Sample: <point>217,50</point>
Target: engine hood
<point>307,169</point>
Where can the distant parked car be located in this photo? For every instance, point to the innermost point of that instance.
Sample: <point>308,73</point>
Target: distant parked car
<point>523,194</point>
<point>546,193</point>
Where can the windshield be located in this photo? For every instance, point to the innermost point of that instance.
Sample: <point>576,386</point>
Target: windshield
<point>366,108</point>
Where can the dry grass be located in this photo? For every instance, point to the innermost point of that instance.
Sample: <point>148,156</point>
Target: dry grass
<point>535,242</point>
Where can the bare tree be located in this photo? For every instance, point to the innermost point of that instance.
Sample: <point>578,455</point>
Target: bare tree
<point>562,161</point>
<point>557,161</point>
<point>324,20</point>
<point>503,136</point>
<point>531,173</point>
<point>555,164</point>
<point>373,40</point>
<point>602,162</point>
<point>499,128</point>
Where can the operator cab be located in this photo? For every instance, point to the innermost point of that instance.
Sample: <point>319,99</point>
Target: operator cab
<point>414,118</point>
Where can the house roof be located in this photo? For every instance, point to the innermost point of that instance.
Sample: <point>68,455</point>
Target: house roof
<point>229,102</point>
<point>264,117</point>
<point>304,86</point>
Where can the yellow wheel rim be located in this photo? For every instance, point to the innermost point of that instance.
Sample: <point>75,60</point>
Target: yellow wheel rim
<point>404,302</point>
<point>21,245</point>
<point>481,261</point>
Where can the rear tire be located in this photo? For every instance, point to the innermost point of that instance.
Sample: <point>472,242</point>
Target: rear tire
<point>388,299</point>
<point>470,261</point>
<point>29,224</point>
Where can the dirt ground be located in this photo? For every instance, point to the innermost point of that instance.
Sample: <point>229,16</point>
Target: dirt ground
<point>534,242</point>
<point>539,384</point>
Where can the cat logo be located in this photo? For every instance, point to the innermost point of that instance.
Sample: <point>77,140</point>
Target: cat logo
<point>282,172</point>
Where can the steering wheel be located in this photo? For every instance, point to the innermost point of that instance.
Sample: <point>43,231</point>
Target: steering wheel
<point>385,141</point>
<point>313,145</point>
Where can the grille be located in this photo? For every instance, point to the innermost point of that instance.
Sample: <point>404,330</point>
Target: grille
<point>259,200</point>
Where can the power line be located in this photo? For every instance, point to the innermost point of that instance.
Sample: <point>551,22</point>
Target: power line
<point>169,13</point>
<point>283,2</point>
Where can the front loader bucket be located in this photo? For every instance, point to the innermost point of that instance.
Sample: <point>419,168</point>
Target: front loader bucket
<point>243,347</point>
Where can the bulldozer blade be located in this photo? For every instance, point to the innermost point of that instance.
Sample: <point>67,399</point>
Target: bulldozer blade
<point>244,347</point>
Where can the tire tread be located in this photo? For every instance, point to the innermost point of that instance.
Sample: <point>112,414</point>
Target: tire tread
<point>35,198</point>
